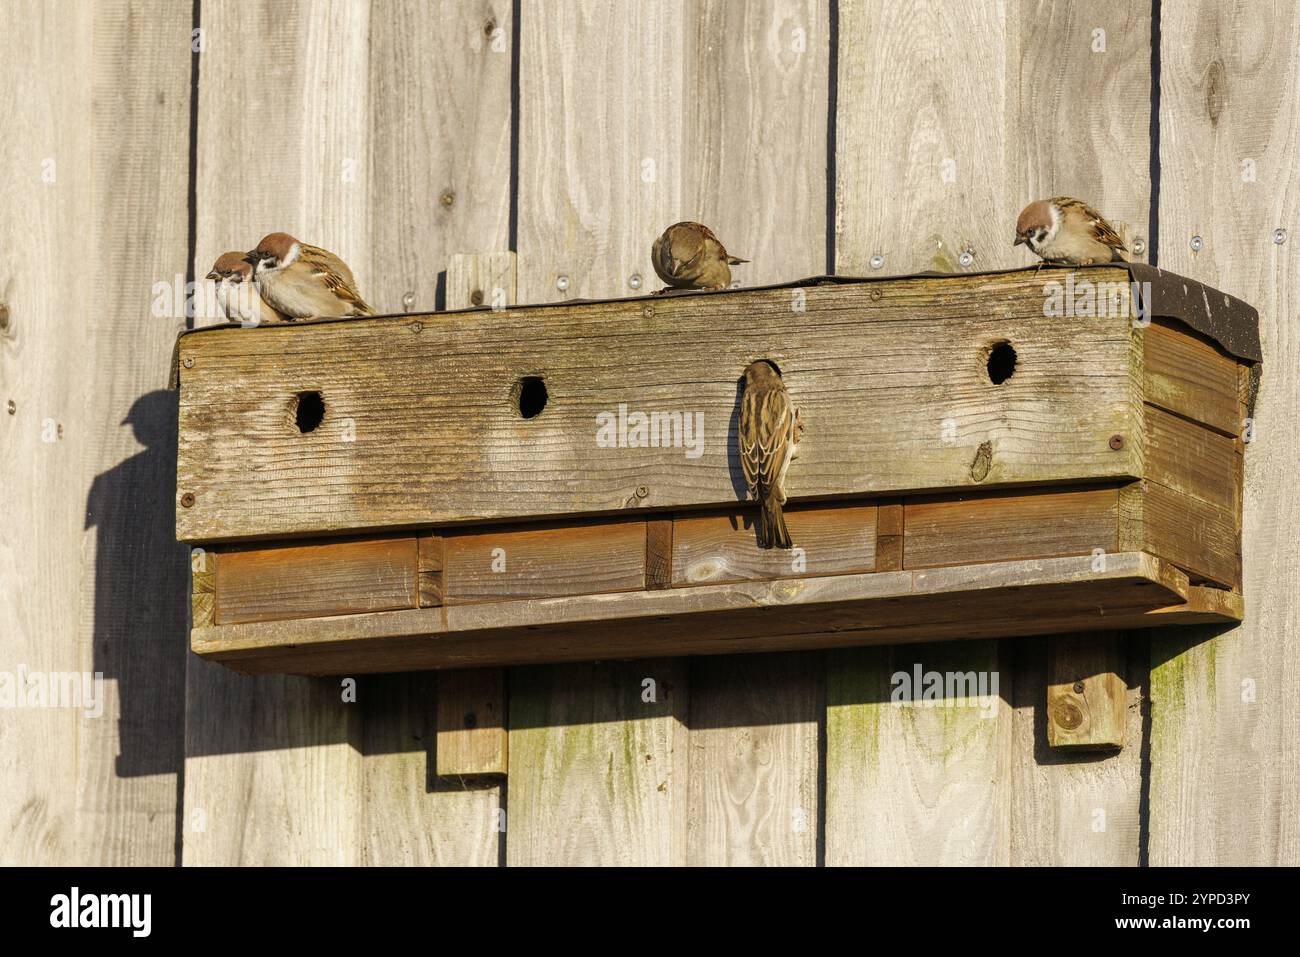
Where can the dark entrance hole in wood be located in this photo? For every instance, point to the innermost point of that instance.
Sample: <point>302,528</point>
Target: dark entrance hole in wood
<point>308,411</point>
<point>1002,362</point>
<point>530,396</point>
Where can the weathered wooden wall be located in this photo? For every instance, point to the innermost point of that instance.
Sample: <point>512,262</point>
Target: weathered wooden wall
<point>813,134</point>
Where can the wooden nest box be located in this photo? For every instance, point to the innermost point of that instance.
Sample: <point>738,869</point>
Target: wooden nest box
<point>986,455</point>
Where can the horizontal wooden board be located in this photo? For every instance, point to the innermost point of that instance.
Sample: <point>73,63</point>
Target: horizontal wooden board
<point>1201,538</point>
<point>1187,374</point>
<point>724,548</point>
<point>421,425</point>
<point>307,581</point>
<point>544,562</point>
<point>963,529</point>
<point>1040,596</point>
<point>1188,457</point>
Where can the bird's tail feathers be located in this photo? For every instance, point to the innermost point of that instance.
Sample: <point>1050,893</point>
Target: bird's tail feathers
<point>1126,254</point>
<point>774,534</point>
<point>736,260</point>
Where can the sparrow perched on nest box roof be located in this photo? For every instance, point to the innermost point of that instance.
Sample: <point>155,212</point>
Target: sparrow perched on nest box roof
<point>1067,230</point>
<point>236,295</point>
<point>689,256</point>
<point>304,281</point>
<point>768,440</point>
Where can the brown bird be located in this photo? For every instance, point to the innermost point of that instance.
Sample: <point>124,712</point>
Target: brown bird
<point>236,295</point>
<point>768,440</point>
<point>1065,230</point>
<point>304,281</point>
<point>689,256</point>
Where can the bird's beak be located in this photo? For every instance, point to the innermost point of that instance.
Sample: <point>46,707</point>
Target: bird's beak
<point>213,275</point>
<point>1020,241</point>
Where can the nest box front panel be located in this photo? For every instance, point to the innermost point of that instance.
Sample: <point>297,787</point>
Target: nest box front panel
<point>918,384</point>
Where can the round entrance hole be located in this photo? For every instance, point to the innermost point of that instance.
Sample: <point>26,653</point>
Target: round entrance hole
<point>1002,362</point>
<point>308,411</point>
<point>530,396</point>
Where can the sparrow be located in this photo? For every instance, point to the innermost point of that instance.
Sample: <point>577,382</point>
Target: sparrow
<point>237,296</point>
<point>303,281</point>
<point>689,256</point>
<point>1065,230</point>
<point>768,439</point>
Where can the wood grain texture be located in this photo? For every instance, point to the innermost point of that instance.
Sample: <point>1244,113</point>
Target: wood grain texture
<point>42,529</point>
<point>920,175</point>
<point>1225,705</point>
<point>545,562</point>
<point>438,437</point>
<point>1071,808</point>
<point>634,118</point>
<point>598,764</point>
<point>754,722</point>
<point>1190,458</point>
<point>958,529</point>
<point>97,107</point>
<point>472,722</point>
<point>1190,376</point>
<point>916,781</point>
<point>1067,594</point>
<point>1087,698</point>
<point>314,581</point>
<point>721,548</point>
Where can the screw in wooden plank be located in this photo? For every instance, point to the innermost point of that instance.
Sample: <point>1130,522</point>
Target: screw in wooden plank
<point>1196,243</point>
<point>189,362</point>
<point>1078,687</point>
<point>1279,236</point>
<point>642,491</point>
<point>13,407</point>
<point>187,500</point>
<point>1117,442</point>
<point>448,198</point>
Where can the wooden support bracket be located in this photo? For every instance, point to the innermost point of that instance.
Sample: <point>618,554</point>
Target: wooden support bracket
<point>1086,691</point>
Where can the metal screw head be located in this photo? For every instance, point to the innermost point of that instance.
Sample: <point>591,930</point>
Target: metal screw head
<point>634,280</point>
<point>966,258</point>
<point>13,407</point>
<point>1078,687</point>
<point>448,198</point>
<point>1196,243</point>
<point>187,500</point>
<point>417,326</point>
<point>408,301</point>
<point>1117,442</point>
<point>562,283</point>
<point>875,295</point>
<point>476,297</point>
<point>642,491</point>
<point>1279,236</point>
<point>189,362</point>
<point>877,261</point>
<point>1139,246</point>
<point>648,311</point>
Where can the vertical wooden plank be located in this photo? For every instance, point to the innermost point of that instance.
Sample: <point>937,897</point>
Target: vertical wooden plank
<point>472,736</point>
<point>409,816</point>
<point>1070,808</point>
<point>272,774</point>
<point>911,780</point>
<point>1082,80</point>
<point>753,760</point>
<point>925,116</point>
<point>135,630</point>
<point>598,764</point>
<point>439,130</point>
<point>647,107</point>
<point>45,190</point>
<point>1224,756</point>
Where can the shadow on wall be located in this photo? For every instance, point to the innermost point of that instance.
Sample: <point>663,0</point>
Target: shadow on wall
<point>141,592</point>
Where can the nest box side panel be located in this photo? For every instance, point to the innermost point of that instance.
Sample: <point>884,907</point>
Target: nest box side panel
<point>589,408</point>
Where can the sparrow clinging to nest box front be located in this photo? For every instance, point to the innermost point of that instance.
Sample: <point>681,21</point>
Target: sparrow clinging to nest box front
<point>768,440</point>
